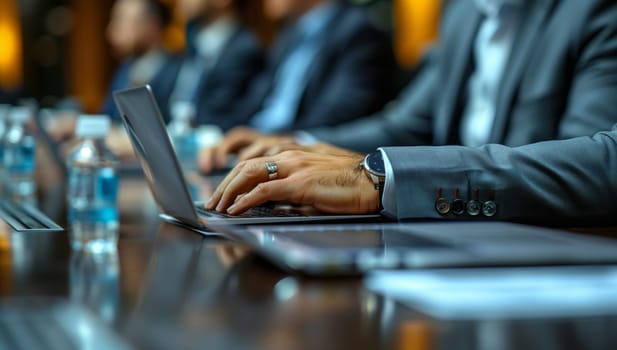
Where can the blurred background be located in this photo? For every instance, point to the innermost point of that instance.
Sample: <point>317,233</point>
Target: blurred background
<point>54,50</point>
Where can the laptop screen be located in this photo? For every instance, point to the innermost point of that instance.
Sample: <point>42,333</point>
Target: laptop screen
<point>152,145</point>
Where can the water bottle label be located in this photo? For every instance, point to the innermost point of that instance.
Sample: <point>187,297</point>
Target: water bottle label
<point>28,154</point>
<point>106,214</point>
<point>21,159</point>
<point>107,186</point>
<point>98,214</point>
<point>92,196</point>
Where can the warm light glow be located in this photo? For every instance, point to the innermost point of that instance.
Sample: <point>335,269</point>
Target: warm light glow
<point>10,46</point>
<point>416,335</point>
<point>417,24</point>
<point>6,258</point>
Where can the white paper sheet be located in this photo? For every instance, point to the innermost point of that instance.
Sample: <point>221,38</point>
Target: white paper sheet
<point>488,293</point>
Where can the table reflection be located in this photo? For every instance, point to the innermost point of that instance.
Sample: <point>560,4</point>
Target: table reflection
<point>94,282</point>
<point>212,293</point>
<point>29,264</point>
<point>168,288</point>
<point>406,329</point>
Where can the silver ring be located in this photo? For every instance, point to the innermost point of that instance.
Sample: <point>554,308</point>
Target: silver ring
<point>273,170</point>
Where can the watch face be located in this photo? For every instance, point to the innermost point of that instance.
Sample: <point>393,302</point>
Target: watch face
<point>374,162</point>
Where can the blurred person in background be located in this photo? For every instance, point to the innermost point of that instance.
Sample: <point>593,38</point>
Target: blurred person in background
<point>330,64</point>
<point>135,34</point>
<point>510,72</point>
<point>505,71</point>
<point>221,59</point>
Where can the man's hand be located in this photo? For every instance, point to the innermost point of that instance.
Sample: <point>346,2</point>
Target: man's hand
<point>333,184</point>
<point>246,142</point>
<point>321,148</point>
<point>61,127</point>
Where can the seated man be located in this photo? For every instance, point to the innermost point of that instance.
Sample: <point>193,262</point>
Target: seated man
<point>567,87</point>
<point>507,72</point>
<point>135,33</point>
<point>221,59</point>
<point>550,182</point>
<point>329,65</point>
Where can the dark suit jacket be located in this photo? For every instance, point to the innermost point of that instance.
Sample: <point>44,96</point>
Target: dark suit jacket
<point>559,182</point>
<point>560,82</point>
<point>119,81</point>
<point>353,75</point>
<point>225,83</point>
<point>10,96</point>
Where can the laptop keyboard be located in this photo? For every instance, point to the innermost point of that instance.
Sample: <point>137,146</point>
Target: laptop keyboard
<point>26,218</point>
<point>257,212</point>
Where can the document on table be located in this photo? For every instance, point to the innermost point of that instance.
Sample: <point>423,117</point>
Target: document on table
<point>503,293</point>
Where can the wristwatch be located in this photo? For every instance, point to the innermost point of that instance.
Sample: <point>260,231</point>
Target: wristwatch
<point>375,169</point>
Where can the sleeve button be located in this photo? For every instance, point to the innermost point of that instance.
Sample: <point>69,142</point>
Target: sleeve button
<point>442,205</point>
<point>474,208</point>
<point>458,207</point>
<point>489,208</point>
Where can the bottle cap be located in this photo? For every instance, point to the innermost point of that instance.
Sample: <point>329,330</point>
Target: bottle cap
<point>92,126</point>
<point>20,114</point>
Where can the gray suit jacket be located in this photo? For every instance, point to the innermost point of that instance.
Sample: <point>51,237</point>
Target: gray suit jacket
<point>573,180</point>
<point>560,82</point>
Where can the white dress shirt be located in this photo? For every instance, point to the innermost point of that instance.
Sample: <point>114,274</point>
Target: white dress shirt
<point>491,52</point>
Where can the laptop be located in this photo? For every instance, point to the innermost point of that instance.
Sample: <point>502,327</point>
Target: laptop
<point>146,129</point>
<point>354,249</point>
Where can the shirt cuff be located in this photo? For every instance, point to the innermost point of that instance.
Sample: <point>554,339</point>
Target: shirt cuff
<point>388,201</point>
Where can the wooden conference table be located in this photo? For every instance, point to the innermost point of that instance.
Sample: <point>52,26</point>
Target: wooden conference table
<point>168,288</point>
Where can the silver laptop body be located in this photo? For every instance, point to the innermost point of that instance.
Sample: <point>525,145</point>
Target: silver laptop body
<point>351,249</point>
<point>146,129</point>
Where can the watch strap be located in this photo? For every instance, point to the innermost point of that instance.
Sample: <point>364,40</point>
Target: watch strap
<point>382,186</point>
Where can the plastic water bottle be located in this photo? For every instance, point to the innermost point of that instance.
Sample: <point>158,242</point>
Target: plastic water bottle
<point>20,156</point>
<point>93,188</point>
<point>183,135</point>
